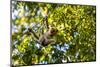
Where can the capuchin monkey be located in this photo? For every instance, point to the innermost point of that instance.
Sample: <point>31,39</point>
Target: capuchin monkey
<point>47,37</point>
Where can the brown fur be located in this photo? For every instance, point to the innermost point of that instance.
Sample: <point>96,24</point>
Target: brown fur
<point>46,38</point>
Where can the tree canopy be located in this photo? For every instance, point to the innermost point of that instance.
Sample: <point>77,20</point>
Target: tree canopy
<point>76,37</point>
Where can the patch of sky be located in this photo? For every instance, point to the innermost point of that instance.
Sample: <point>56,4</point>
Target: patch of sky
<point>35,29</point>
<point>15,42</point>
<point>33,24</point>
<point>64,61</point>
<point>14,14</point>
<point>43,62</point>
<point>15,51</point>
<point>62,48</point>
<point>75,34</point>
<point>66,46</point>
<point>77,54</point>
<point>58,47</point>
<point>38,25</point>
<point>37,45</point>
<point>26,8</point>
<point>53,52</point>
<point>14,29</point>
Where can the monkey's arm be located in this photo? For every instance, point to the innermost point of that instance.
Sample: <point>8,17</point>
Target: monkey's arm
<point>30,30</point>
<point>52,41</point>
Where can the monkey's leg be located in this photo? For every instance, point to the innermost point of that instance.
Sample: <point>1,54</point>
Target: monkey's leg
<point>50,41</point>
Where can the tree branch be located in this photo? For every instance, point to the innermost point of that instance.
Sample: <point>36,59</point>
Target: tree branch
<point>46,22</point>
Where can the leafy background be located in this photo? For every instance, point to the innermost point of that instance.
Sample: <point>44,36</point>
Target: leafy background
<point>76,37</point>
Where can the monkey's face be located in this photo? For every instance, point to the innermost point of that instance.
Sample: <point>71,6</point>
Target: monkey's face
<point>53,31</point>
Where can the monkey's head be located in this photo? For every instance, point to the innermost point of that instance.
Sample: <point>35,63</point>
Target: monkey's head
<point>53,31</point>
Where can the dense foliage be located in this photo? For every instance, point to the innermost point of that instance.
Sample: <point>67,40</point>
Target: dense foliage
<point>76,37</point>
